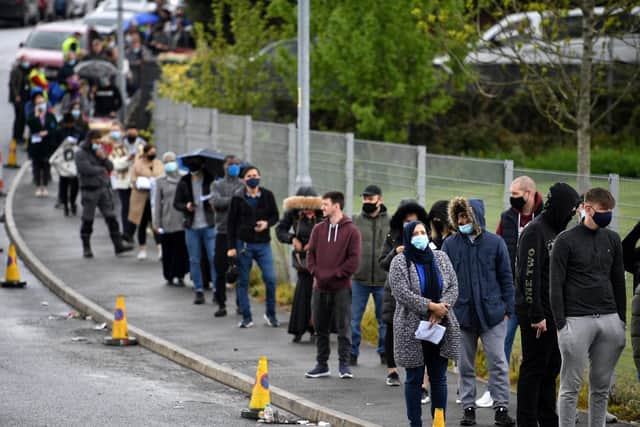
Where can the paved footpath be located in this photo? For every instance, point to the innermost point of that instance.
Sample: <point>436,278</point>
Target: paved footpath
<point>168,313</point>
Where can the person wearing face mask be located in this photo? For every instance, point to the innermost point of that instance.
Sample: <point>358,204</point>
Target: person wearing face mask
<point>540,353</point>
<point>589,304</point>
<point>38,78</point>
<point>221,192</point>
<point>74,95</point>
<point>107,99</point>
<point>301,213</point>
<point>192,199</point>
<point>373,223</point>
<point>485,303</point>
<point>439,221</point>
<point>252,212</point>
<point>122,157</point>
<point>94,168</point>
<point>63,160</point>
<point>424,285</point>
<point>19,88</point>
<point>67,69</point>
<point>408,211</point>
<point>42,143</point>
<point>144,170</point>
<point>167,223</point>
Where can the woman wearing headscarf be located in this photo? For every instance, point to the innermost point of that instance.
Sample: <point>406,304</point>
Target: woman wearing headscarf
<point>409,210</point>
<point>301,213</point>
<point>425,287</point>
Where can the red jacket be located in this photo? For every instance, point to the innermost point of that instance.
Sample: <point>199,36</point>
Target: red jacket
<point>334,254</point>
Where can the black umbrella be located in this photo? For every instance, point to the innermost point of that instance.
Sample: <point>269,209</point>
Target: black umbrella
<point>95,69</point>
<point>213,161</point>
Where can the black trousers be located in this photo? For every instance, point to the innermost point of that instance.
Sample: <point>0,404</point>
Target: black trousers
<point>41,172</point>
<point>127,227</point>
<point>68,189</point>
<point>300,320</point>
<point>538,372</point>
<point>388,346</point>
<point>144,223</point>
<point>175,258</point>
<point>221,264</point>
<point>19,122</point>
<point>332,309</point>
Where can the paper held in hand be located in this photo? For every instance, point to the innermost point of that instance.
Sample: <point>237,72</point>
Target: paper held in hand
<point>431,332</point>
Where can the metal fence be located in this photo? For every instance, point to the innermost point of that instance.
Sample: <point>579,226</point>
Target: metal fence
<point>341,162</point>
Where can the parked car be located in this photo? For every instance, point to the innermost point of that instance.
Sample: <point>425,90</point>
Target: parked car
<point>23,11</point>
<point>106,21</point>
<point>73,8</point>
<point>138,6</point>
<point>44,44</point>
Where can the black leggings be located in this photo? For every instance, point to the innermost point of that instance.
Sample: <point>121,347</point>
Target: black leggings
<point>41,172</point>
<point>388,346</point>
<point>144,223</point>
<point>68,188</point>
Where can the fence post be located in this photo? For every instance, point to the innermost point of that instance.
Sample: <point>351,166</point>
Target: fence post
<point>214,127</point>
<point>614,188</point>
<point>422,175</point>
<point>248,138</point>
<point>292,142</point>
<point>349,175</point>
<point>508,178</point>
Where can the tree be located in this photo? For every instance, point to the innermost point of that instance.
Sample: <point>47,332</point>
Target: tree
<point>577,60</point>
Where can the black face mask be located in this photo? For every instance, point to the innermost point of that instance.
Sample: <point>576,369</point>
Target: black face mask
<point>131,138</point>
<point>369,208</point>
<point>517,203</point>
<point>151,156</point>
<point>438,226</point>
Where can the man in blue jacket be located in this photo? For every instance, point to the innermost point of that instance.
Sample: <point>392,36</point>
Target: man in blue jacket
<point>485,302</point>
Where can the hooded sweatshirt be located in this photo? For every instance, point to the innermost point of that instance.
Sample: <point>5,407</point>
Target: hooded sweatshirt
<point>334,254</point>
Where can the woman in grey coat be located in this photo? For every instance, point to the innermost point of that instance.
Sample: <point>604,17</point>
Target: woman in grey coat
<point>167,223</point>
<point>425,287</point>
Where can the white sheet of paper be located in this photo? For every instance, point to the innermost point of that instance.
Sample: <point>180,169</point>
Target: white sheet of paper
<point>143,183</point>
<point>36,139</point>
<point>430,332</point>
<point>205,197</point>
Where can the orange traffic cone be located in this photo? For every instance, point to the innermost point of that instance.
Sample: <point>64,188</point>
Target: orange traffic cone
<point>13,157</point>
<point>12,276</point>
<point>260,396</point>
<point>120,333</point>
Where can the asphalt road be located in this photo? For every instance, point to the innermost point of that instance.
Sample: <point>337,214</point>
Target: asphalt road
<point>55,371</point>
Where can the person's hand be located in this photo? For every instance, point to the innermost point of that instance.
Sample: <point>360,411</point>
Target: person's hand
<point>43,133</point>
<point>190,207</point>
<point>438,309</point>
<point>18,98</point>
<point>231,253</point>
<point>297,244</point>
<point>540,327</point>
<point>261,226</point>
<point>306,247</point>
<point>400,249</point>
<point>101,154</point>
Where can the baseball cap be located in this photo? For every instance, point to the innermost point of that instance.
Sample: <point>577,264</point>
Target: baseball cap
<point>372,190</point>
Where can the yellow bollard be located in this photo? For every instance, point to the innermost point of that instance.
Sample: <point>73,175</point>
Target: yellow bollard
<point>120,332</point>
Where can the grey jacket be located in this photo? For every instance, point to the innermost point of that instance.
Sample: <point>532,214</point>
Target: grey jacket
<point>374,232</point>
<point>163,214</point>
<point>411,306</point>
<point>221,192</point>
<point>93,172</point>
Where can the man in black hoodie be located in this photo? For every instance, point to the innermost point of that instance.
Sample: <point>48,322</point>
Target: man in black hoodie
<point>540,353</point>
<point>588,300</point>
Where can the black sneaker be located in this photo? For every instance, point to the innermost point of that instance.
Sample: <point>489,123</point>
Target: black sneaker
<point>318,372</point>
<point>345,372</point>
<point>469,417</point>
<point>502,417</point>
<point>199,298</point>
<point>393,379</point>
<point>222,311</point>
<point>353,360</point>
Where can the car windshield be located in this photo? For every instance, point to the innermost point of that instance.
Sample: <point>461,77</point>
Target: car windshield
<point>50,40</point>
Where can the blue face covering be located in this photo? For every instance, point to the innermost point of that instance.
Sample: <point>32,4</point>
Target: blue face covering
<point>95,146</point>
<point>466,229</point>
<point>115,134</point>
<point>253,182</point>
<point>170,167</point>
<point>420,242</point>
<point>75,113</point>
<point>233,170</point>
<point>602,219</point>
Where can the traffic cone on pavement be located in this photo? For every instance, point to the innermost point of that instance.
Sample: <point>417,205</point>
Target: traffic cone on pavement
<point>13,157</point>
<point>12,275</point>
<point>120,333</point>
<point>260,396</point>
<point>438,418</point>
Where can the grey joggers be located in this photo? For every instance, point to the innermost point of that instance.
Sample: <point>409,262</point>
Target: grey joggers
<point>601,338</point>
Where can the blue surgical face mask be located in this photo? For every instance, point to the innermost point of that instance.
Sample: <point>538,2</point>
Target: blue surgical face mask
<point>420,242</point>
<point>466,229</point>
<point>583,214</point>
<point>233,170</point>
<point>26,64</point>
<point>95,146</point>
<point>42,107</point>
<point>75,113</point>
<point>115,134</point>
<point>253,182</point>
<point>170,167</point>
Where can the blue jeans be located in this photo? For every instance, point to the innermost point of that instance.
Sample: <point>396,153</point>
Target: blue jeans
<point>261,252</point>
<point>359,298</point>
<point>437,370</point>
<point>512,327</point>
<point>194,239</point>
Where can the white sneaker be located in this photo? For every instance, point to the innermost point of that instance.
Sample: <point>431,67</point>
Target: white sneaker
<point>142,255</point>
<point>38,192</point>
<point>44,192</point>
<point>486,401</point>
<point>159,257</point>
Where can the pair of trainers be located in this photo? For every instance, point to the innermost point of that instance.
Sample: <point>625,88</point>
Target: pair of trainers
<point>322,370</point>
<point>501,417</point>
<point>269,320</point>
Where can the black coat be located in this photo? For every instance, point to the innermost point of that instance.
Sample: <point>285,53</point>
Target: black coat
<point>242,217</point>
<point>184,195</point>
<point>295,224</point>
<point>43,149</point>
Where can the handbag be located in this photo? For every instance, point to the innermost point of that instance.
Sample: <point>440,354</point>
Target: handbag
<point>299,261</point>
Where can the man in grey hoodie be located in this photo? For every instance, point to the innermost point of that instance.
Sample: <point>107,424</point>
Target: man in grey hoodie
<point>221,192</point>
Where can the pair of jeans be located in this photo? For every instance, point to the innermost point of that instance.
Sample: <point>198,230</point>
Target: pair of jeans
<point>512,327</point>
<point>437,369</point>
<point>195,239</point>
<point>246,253</point>
<point>331,309</point>
<point>359,299</point>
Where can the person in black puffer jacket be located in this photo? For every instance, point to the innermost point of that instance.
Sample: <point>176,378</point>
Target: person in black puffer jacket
<point>409,210</point>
